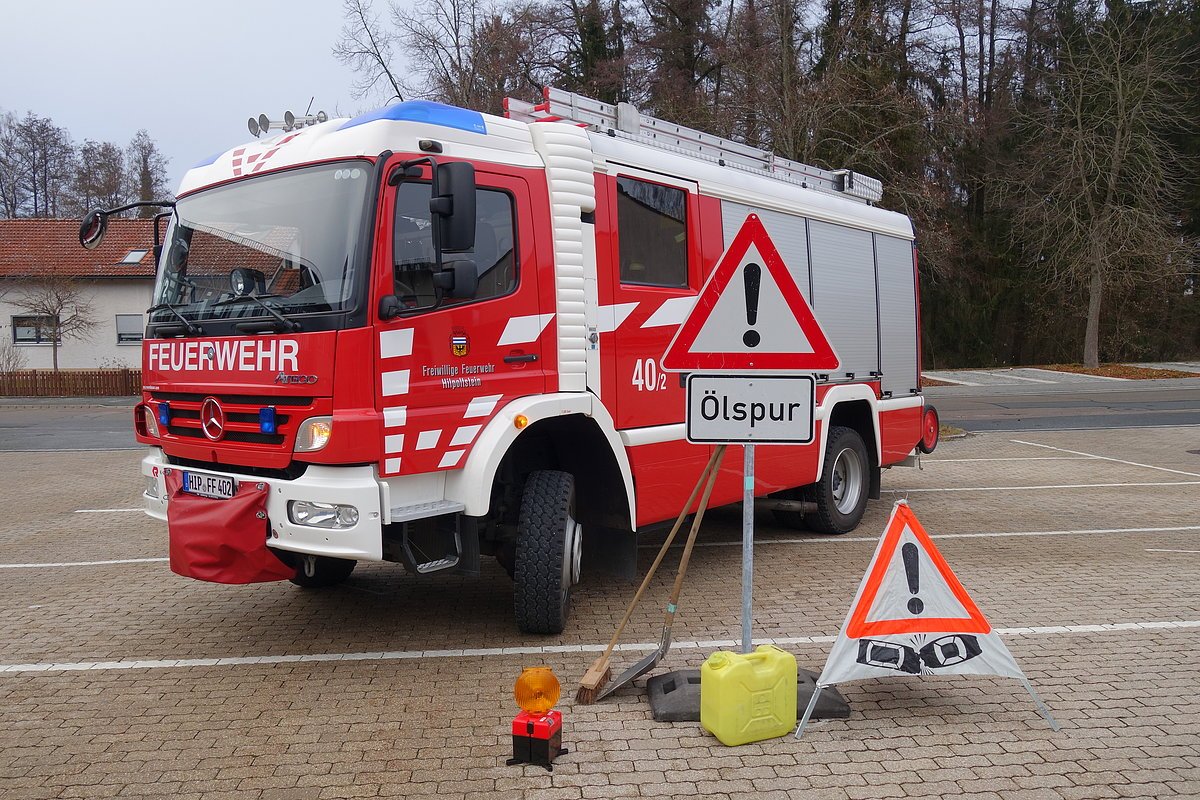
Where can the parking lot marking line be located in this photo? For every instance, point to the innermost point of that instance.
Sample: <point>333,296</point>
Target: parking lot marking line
<point>1007,458</point>
<point>1095,428</point>
<point>1165,550</point>
<point>1108,458</point>
<point>85,563</point>
<point>534,650</point>
<point>977,535</point>
<point>107,510</point>
<point>1030,488</point>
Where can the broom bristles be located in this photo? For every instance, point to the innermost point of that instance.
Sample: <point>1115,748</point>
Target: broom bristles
<point>593,681</point>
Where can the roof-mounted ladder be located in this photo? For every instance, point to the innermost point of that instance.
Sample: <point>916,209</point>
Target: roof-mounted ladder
<point>625,121</point>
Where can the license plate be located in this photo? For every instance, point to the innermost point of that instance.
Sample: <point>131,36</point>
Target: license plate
<point>218,487</point>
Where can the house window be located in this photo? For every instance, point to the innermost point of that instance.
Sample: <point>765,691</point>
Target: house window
<point>652,228</point>
<point>129,328</point>
<point>34,329</point>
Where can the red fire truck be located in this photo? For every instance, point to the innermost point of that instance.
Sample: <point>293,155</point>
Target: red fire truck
<point>425,334</point>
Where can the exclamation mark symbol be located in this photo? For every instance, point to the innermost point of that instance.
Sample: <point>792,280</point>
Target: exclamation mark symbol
<point>909,554</point>
<point>752,275</point>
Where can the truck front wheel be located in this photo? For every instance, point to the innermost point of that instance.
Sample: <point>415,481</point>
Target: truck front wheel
<point>549,545</point>
<point>841,493</point>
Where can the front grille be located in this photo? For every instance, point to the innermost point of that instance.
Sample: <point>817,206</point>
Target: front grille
<point>241,417</point>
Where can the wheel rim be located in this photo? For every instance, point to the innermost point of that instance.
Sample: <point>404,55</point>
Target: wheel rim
<point>572,552</point>
<point>931,428</point>
<point>847,480</point>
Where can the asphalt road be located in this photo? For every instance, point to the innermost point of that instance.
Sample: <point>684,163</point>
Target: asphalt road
<point>1132,404</point>
<point>104,423</point>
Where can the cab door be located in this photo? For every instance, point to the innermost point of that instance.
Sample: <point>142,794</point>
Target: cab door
<point>445,371</point>
<point>655,273</point>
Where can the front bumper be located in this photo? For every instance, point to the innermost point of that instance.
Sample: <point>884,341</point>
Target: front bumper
<point>356,486</point>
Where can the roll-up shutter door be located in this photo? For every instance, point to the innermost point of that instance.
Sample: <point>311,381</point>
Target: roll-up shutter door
<point>897,314</point>
<point>844,296</point>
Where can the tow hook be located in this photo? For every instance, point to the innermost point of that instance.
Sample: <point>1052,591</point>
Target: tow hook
<point>310,566</point>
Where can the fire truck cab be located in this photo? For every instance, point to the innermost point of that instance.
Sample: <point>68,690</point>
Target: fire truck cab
<point>425,334</point>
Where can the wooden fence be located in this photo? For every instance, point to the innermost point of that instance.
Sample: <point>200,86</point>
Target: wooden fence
<point>71,383</point>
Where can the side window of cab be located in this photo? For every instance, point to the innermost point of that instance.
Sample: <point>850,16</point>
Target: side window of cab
<point>494,254</point>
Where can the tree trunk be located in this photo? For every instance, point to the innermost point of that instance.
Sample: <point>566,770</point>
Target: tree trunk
<point>1091,338</point>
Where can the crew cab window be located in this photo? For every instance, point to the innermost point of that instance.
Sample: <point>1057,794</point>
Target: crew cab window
<point>494,254</point>
<point>652,230</point>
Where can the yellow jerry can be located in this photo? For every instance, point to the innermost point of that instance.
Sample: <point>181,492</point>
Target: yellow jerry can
<point>747,697</point>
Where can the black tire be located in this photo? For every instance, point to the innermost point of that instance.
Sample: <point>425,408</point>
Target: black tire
<point>546,563</point>
<point>326,572</point>
<point>847,468</point>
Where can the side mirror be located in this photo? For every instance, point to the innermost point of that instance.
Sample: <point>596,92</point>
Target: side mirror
<point>453,208</point>
<point>460,279</point>
<point>93,226</point>
<point>389,307</point>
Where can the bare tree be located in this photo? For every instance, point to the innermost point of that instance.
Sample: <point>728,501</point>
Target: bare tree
<point>146,171</point>
<point>61,309</point>
<point>100,178</point>
<point>1094,192</point>
<point>367,47</point>
<point>37,162</point>
<point>11,358</point>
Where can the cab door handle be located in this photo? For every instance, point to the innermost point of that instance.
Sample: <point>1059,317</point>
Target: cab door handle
<point>523,358</point>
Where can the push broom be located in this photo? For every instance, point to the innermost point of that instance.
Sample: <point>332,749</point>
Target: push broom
<point>599,673</point>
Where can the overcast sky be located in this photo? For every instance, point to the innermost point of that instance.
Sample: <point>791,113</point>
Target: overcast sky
<point>188,71</point>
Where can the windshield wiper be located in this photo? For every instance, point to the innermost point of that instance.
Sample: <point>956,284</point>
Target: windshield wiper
<point>289,325</point>
<point>189,327</point>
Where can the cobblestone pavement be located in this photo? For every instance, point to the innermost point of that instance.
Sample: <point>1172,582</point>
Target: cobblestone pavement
<point>1083,548</point>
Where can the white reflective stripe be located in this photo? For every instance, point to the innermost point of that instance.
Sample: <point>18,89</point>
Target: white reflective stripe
<point>611,317</point>
<point>451,459</point>
<point>392,465</point>
<point>482,406</point>
<point>427,440</point>
<point>523,330</point>
<point>671,312</point>
<point>393,344</point>
<point>395,417</point>
<point>464,435</point>
<point>395,382</point>
<point>393,443</point>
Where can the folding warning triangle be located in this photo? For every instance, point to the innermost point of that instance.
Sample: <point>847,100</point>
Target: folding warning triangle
<point>750,315</point>
<point>912,617</point>
<point>920,593</point>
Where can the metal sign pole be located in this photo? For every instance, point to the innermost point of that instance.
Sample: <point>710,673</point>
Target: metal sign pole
<point>747,546</point>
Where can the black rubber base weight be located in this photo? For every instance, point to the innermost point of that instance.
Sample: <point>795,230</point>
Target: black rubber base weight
<point>675,697</point>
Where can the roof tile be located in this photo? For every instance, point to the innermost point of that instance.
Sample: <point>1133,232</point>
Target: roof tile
<point>38,248</point>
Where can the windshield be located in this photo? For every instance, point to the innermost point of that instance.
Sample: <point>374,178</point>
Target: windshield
<point>289,239</point>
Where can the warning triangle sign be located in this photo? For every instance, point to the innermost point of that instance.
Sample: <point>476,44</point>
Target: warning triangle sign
<point>912,617</point>
<point>750,315</point>
<point>909,587</point>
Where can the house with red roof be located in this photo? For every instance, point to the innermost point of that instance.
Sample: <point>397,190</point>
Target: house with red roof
<point>117,280</point>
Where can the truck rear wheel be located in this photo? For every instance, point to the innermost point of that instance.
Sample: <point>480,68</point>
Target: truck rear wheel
<point>549,547</point>
<point>315,572</point>
<point>841,493</point>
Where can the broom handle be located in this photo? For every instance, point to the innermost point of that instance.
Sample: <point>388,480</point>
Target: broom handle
<point>709,468</point>
<point>673,602</point>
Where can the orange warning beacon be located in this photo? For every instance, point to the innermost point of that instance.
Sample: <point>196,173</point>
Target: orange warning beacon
<point>537,730</point>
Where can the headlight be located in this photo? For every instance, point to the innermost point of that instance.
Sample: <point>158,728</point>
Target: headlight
<point>322,515</point>
<point>314,433</point>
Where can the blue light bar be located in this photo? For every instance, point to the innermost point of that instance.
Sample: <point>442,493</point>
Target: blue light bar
<point>266,419</point>
<point>424,111</point>
<point>164,413</point>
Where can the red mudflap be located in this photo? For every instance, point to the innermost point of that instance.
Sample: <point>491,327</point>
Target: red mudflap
<point>223,541</point>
